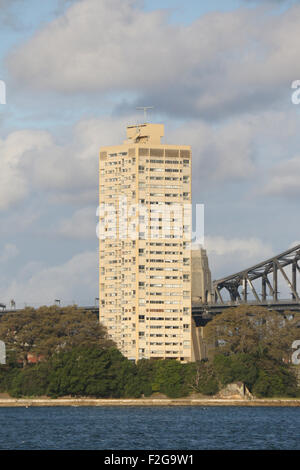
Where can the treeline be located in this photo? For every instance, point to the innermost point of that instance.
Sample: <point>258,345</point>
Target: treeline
<point>74,357</point>
<point>92,372</point>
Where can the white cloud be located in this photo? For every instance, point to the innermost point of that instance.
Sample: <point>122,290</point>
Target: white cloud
<point>284,180</point>
<point>236,150</point>
<point>252,247</point>
<point>222,62</point>
<point>220,65</point>
<point>230,255</point>
<point>32,160</point>
<point>81,225</point>
<point>8,252</point>
<point>73,281</point>
<point>219,152</point>
<point>19,220</point>
<point>14,185</point>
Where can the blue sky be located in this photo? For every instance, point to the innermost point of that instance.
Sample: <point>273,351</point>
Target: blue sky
<point>219,76</point>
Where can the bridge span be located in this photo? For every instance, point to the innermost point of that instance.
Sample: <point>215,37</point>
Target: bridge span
<point>203,313</point>
<point>240,286</point>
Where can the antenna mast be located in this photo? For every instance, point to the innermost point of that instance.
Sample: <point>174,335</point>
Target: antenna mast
<point>145,108</point>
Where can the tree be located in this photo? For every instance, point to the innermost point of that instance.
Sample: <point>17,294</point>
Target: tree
<point>275,380</point>
<point>236,368</point>
<point>90,372</point>
<point>263,376</point>
<point>169,378</point>
<point>29,381</point>
<point>145,374</point>
<point>204,379</point>
<point>253,330</point>
<point>48,330</point>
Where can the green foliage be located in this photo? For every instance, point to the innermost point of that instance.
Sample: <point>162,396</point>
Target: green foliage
<point>204,379</point>
<point>77,359</point>
<point>7,376</point>
<point>145,373</point>
<point>170,378</point>
<point>90,372</point>
<point>275,379</point>
<point>236,368</point>
<point>48,330</point>
<point>253,330</point>
<point>263,376</point>
<point>167,378</point>
<point>31,381</point>
<point>101,373</point>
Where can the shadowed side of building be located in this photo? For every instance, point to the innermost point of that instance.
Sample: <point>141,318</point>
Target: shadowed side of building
<point>201,293</point>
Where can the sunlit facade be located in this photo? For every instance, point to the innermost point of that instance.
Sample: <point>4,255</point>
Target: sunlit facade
<point>144,245</point>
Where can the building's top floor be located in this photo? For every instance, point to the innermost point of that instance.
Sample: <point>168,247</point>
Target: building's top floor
<point>147,134</point>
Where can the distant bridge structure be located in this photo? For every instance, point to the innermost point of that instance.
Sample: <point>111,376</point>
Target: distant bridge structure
<point>267,272</point>
<point>241,288</point>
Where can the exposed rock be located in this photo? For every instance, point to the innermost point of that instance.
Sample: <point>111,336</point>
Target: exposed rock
<point>235,391</point>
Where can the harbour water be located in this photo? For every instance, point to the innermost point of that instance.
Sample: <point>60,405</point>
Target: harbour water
<point>151,428</point>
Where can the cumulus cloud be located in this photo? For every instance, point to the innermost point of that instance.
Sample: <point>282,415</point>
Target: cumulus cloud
<point>8,252</point>
<point>230,255</point>
<point>219,152</point>
<point>218,66</point>
<point>81,224</point>
<point>67,172</point>
<point>73,281</point>
<point>222,63</point>
<point>33,160</point>
<point>284,180</point>
<point>19,220</point>
<point>14,185</point>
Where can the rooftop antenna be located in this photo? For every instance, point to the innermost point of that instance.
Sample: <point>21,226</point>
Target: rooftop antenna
<point>145,108</point>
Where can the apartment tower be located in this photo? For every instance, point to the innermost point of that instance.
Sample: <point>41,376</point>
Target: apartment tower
<point>144,245</point>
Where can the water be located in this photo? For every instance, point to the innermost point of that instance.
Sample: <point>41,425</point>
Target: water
<point>151,428</point>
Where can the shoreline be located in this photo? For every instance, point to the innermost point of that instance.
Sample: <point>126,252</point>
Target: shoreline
<point>104,402</point>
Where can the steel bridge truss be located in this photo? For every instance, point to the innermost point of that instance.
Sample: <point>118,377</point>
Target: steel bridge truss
<point>240,285</point>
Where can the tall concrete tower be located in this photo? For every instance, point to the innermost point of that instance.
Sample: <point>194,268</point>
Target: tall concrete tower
<point>144,248</point>
<point>201,293</point>
<point>201,275</point>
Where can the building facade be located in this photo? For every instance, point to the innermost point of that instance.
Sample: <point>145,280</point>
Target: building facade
<point>144,245</point>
